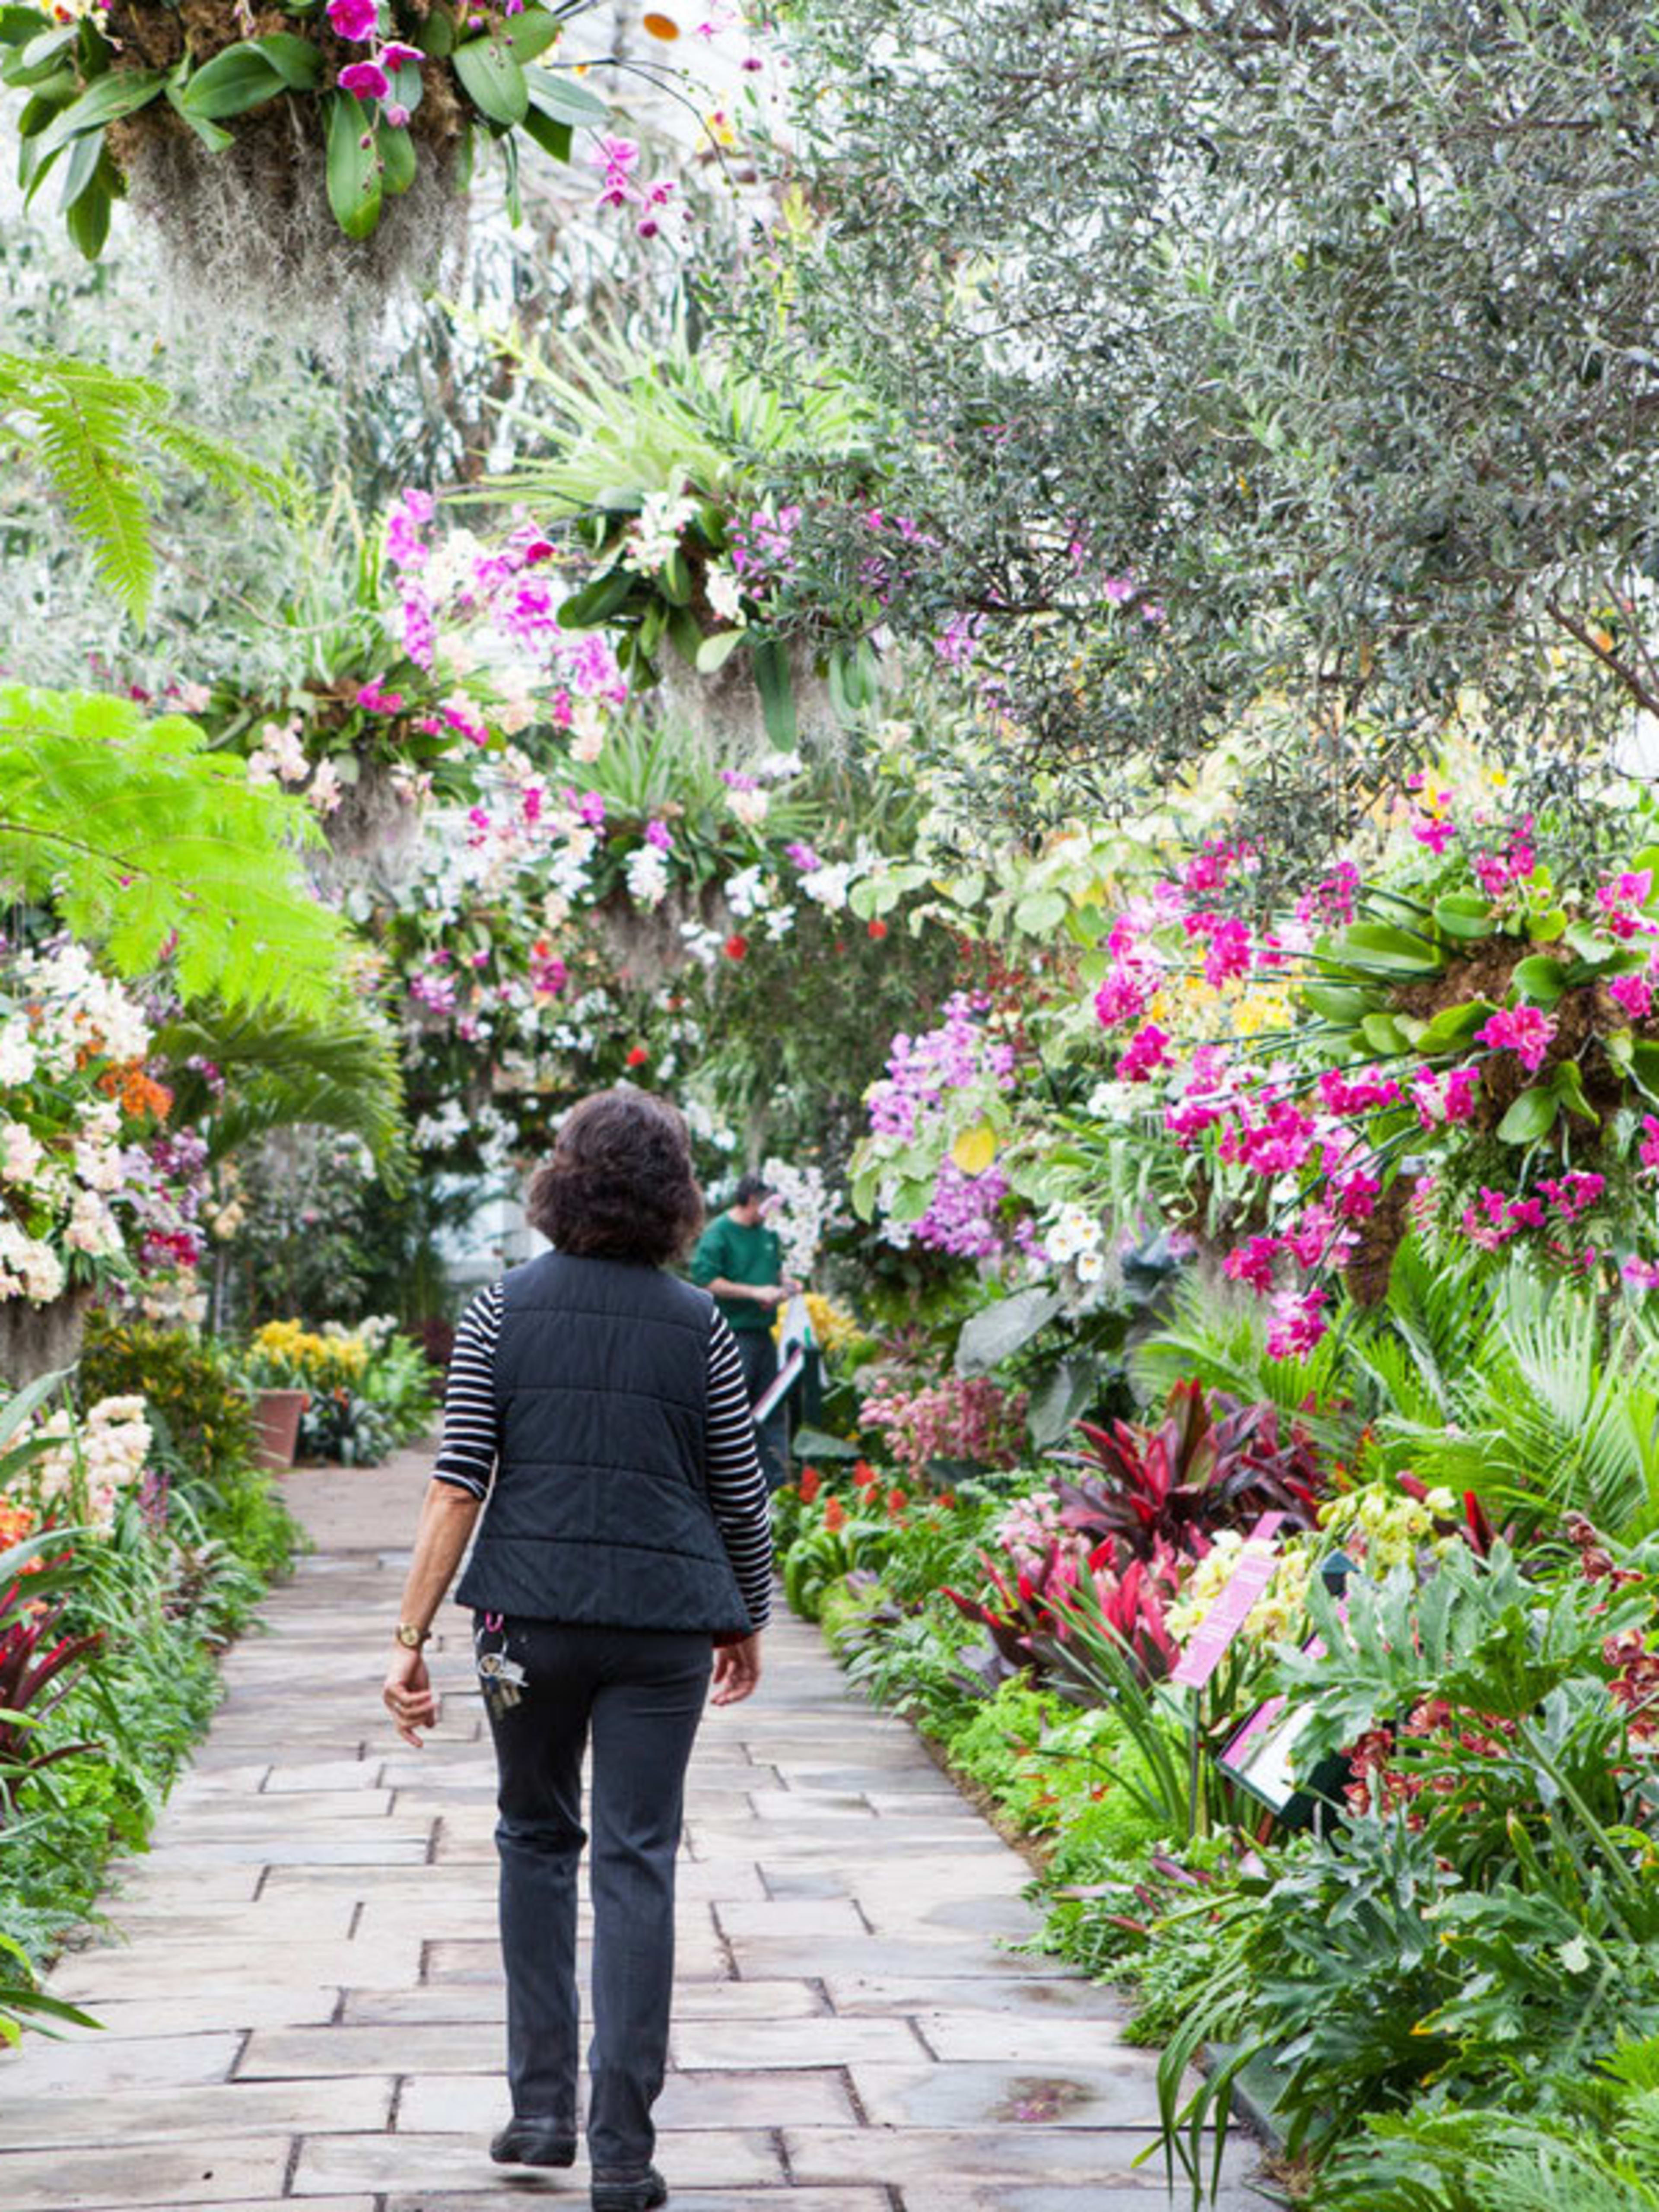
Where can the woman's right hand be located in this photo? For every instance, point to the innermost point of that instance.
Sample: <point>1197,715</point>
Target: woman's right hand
<point>736,1672</point>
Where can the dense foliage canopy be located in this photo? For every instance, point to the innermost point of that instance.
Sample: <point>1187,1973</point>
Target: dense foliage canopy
<point>1258,366</point>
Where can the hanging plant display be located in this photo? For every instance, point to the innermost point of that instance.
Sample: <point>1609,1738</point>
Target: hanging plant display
<point>305,144</point>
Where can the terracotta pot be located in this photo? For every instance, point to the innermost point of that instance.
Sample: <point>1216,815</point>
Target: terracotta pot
<point>277,1416</point>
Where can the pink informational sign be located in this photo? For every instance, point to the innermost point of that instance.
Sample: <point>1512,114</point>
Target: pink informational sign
<point>1228,1615</point>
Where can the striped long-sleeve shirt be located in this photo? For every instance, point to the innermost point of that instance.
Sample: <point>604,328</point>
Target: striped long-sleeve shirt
<point>737,1489</point>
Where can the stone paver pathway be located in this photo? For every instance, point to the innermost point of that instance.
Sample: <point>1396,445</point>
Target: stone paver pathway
<point>300,1988</point>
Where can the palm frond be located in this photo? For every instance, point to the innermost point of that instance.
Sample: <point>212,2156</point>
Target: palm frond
<point>339,1070</point>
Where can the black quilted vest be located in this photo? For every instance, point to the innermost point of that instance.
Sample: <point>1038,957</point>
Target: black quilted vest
<point>599,1514</point>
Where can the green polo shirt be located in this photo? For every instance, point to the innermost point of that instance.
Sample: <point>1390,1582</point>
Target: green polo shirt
<point>741,1255</point>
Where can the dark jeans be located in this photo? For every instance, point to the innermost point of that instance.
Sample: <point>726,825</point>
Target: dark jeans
<point>759,1355</point>
<point>642,1694</point>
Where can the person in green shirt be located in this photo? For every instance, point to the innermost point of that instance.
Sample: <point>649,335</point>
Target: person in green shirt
<point>740,1260</point>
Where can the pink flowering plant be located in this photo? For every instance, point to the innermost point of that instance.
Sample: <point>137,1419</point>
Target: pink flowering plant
<point>676,496</point>
<point>365,89</point>
<point>1464,1043</point>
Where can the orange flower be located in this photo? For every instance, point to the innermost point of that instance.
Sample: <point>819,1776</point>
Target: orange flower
<point>897,1502</point>
<point>948,1498</point>
<point>835,1515</point>
<point>864,1475</point>
<point>141,1096</point>
<point>17,1521</point>
<point>810,1483</point>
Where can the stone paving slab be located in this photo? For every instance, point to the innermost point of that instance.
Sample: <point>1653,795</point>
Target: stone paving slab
<point>703,2159</point>
<point>514,2198</point>
<point>474,2104</point>
<point>301,1984</point>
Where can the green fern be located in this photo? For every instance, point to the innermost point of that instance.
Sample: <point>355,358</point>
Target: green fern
<point>148,845</point>
<point>95,437</point>
<point>341,1072</point>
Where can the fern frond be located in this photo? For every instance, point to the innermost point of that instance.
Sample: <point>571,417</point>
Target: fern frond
<point>94,435</point>
<point>149,845</point>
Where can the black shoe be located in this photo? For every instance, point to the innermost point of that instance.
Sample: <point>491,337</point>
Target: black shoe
<point>536,2142</point>
<point>636,2193</point>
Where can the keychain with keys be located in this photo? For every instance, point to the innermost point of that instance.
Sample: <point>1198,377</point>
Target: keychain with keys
<point>500,1679</point>
<point>503,1679</point>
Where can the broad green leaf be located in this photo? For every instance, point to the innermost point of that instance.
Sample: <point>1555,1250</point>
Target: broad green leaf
<point>1338,1002</point>
<point>674,579</point>
<point>38,59</point>
<point>714,651</point>
<point>597,599</point>
<point>1384,1034</point>
<point>1532,1115</point>
<point>211,134</point>
<point>553,137</point>
<point>51,94</point>
<point>353,172</point>
<point>1540,980</point>
<point>299,63</point>
<point>493,80</point>
<point>123,91</point>
<point>998,1331</point>
<point>1395,952</point>
<point>85,155</point>
<point>1548,928</point>
<point>397,151</point>
<point>1568,1082</point>
<point>777,691</point>
<point>684,634</point>
<point>555,95</point>
<point>531,32</point>
<point>87,220</point>
<point>243,76</point>
<point>1465,914</point>
<point>1453,1026</point>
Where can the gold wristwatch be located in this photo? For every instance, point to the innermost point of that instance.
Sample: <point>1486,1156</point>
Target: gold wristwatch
<point>409,1637</point>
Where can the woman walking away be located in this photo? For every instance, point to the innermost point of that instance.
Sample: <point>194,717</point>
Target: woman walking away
<point>597,1403</point>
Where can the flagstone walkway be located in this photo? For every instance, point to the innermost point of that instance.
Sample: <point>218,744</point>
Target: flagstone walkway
<point>301,1992</point>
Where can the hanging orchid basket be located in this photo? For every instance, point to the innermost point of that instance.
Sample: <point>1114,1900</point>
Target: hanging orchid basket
<point>306,155</point>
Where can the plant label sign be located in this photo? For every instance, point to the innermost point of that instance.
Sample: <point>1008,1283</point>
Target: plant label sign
<point>1221,1625</point>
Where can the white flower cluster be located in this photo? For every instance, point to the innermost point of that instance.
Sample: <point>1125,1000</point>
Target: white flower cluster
<point>646,871</point>
<point>802,1209</point>
<point>56,1189</point>
<point>279,756</point>
<point>753,896</point>
<point>1074,1245</point>
<point>656,535</point>
<point>90,1469</point>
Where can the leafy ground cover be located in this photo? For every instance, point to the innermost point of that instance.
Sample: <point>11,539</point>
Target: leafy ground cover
<point>137,1537</point>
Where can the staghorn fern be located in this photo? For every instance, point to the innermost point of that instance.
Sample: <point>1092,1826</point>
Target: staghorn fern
<point>148,845</point>
<point>94,436</point>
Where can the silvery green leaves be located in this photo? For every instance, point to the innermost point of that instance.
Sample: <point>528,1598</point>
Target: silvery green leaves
<point>1172,312</point>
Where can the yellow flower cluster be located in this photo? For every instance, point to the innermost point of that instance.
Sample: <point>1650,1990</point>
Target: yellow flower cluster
<point>1386,1529</point>
<point>834,1328</point>
<point>302,1357</point>
<point>1276,1614</point>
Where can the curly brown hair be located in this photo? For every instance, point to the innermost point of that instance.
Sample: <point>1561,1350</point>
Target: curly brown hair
<point>620,1184</point>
